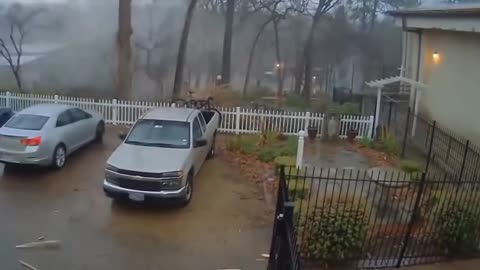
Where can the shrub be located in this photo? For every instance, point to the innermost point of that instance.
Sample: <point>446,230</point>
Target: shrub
<point>241,144</point>
<point>267,154</point>
<point>298,189</point>
<point>389,144</point>
<point>285,161</point>
<point>458,230</point>
<point>410,166</point>
<point>367,142</point>
<point>334,233</point>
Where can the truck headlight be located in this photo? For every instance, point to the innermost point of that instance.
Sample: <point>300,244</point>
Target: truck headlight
<point>175,174</point>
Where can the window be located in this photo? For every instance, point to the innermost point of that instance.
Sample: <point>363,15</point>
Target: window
<point>202,122</point>
<point>197,131</point>
<point>27,121</point>
<point>64,119</point>
<point>78,115</point>
<point>160,133</point>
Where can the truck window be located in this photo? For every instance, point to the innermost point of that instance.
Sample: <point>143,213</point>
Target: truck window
<point>197,131</point>
<point>202,122</point>
<point>160,133</point>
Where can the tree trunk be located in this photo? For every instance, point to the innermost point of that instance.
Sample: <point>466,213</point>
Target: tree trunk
<point>182,50</point>
<point>280,64</point>
<point>18,79</point>
<point>308,58</point>
<point>227,42</point>
<point>373,16</point>
<point>299,68</point>
<point>250,56</point>
<point>124,50</point>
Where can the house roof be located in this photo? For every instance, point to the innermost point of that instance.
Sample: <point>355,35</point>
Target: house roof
<point>439,10</point>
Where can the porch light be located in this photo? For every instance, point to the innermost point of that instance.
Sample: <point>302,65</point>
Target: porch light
<point>436,57</point>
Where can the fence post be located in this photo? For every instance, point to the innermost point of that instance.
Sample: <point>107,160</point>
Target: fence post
<point>429,156</point>
<point>405,134</point>
<point>307,120</point>
<point>114,111</point>
<point>300,147</point>
<point>8,98</point>
<point>55,99</point>
<point>370,126</point>
<point>463,163</point>
<point>413,219</point>
<point>237,120</point>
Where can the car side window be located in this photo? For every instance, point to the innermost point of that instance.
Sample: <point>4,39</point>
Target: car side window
<point>197,131</point>
<point>202,122</point>
<point>63,119</point>
<point>78,115</point>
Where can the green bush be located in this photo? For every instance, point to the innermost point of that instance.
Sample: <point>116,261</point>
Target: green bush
<point>367,142</point>
<point>242,144</point>
<point>334,233</point>
<point>267,154</point>
<point>389,144</point>
<point>298,189</point>
<point>458,230</point>
<point>410,166</point>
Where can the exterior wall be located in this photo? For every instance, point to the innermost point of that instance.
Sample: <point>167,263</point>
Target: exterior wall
<point>453,94</point>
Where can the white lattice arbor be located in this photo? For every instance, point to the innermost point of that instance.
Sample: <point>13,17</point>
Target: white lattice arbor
<point>416,89</point>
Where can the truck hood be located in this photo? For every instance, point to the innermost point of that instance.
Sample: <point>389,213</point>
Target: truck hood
<point>148,159</point>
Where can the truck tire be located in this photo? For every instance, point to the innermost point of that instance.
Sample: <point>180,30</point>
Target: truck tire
<point>211,153</point>
<point>187,197</point>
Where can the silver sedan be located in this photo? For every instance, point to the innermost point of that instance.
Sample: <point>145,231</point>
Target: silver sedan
<point>46,134</point>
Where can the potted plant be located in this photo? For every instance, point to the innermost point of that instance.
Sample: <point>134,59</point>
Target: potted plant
<point>352,134</point>
<point>312,132</point>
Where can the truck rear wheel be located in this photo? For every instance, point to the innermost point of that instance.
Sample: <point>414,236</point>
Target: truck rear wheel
<point>211,153</point>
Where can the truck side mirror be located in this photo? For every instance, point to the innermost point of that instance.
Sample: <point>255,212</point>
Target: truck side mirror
<point>122,136</point>
<point>200,143</point>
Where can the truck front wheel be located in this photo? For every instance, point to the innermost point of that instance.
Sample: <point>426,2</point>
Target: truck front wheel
<point>187,197</point>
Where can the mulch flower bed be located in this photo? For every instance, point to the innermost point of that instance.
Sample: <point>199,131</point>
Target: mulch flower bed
<point>376,158</point>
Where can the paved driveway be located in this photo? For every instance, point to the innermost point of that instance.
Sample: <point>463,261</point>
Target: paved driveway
<point>225,226</point>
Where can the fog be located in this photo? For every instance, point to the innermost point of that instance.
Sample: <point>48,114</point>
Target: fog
<point>73,47</point>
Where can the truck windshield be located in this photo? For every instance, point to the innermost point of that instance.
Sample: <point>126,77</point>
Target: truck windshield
<point>160,133</point>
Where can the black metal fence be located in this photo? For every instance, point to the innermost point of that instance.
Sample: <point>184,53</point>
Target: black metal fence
<point>373,219</point>
<point>438,148</point>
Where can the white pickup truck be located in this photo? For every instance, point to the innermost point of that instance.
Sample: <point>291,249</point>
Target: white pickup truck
<point>161,154</point>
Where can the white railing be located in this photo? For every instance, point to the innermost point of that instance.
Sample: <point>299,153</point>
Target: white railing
<point>235,120</point>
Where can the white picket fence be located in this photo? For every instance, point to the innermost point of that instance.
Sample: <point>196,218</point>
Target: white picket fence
<point>235,120</point>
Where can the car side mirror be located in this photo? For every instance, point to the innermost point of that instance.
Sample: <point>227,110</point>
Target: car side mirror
<point>200,143</point>
<point>122,136</point>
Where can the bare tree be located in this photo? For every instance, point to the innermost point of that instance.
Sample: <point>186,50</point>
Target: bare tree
<point>20,23</point>
<point>182,50</point>
<point>124,50</point>
<point>319,9</point>
<point>227,42</point>
<point>277,10</point>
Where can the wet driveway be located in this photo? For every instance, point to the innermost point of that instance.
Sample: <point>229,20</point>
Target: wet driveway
<point>225,226</point>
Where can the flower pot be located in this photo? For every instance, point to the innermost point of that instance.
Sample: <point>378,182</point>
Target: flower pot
<point>352,134</point>
<point>312,132</point>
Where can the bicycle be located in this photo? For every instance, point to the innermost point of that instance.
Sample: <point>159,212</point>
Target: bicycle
<point>199,104</point>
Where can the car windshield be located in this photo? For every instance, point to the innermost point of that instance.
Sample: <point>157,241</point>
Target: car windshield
<point>27,122</point>
<point>160,133</point>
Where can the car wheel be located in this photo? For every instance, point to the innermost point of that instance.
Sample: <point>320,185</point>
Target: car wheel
<point>59,157</point>
<point>211,153</point>
<point>187,197</point>
<point>99,132</point>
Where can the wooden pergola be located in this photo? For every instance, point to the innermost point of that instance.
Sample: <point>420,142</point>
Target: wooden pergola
<point>416,89</point>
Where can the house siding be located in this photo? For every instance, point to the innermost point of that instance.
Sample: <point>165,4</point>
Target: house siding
<point>453,94</point>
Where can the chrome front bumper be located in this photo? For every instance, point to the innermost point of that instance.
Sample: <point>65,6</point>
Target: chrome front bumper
<point>112,190</point>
